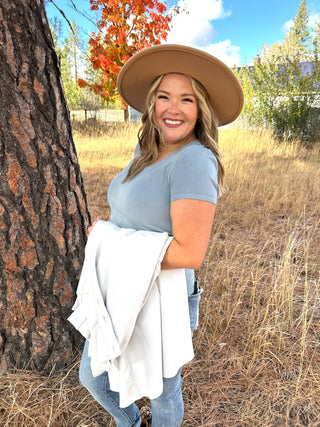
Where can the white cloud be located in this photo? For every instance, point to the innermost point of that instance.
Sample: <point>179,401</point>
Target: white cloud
<point>313,20</point>
<point>286,27</point>
<point>205,9</point>
<point>193,27</point>
<point>192,31</point>
<point>226,52</point>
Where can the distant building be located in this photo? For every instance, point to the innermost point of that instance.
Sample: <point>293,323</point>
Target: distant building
<point>134,115</point>
<point>305,67</point>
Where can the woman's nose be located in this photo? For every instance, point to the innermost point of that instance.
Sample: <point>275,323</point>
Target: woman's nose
<point>174,106</point>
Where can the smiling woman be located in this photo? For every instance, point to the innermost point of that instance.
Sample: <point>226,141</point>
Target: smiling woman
<point>171,186</point>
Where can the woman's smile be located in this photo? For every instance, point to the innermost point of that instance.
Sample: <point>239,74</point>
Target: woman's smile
<point>172,122</point>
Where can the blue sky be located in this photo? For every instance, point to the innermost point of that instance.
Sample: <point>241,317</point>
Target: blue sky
<point>232,30</point>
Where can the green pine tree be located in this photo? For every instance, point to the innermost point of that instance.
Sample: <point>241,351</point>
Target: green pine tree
<point>298,37</point>
<point>71,59</point>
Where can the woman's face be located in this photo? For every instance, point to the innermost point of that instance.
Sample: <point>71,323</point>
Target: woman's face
<point>176,109</point>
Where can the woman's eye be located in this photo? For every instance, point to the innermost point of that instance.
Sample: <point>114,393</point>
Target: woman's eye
<point>187,100</point>
<point>162,97</point>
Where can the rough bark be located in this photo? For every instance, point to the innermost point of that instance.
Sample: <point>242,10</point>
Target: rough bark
<point>43,210</point>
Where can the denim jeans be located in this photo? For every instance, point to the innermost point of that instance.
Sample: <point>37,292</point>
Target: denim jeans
<point>167,409</point>
<point>194,301</point>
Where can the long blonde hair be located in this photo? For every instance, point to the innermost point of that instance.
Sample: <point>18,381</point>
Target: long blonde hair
<point>150,135</point>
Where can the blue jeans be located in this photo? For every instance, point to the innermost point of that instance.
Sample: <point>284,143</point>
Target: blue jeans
<point>167,409</point>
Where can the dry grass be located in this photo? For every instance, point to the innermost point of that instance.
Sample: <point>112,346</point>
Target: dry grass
<point>101,158</point>
<point>257,348</point>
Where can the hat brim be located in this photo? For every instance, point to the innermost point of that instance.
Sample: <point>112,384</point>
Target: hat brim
<point>139,72</point>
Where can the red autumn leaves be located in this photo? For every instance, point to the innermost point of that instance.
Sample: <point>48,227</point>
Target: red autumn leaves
<point>125,28</point>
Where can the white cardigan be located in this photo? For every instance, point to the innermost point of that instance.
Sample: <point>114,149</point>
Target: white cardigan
<point>135,316</point>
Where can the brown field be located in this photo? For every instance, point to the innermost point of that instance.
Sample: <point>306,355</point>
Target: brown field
<point>257,348</point>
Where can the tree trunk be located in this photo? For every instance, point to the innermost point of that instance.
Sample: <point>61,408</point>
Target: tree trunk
<point>43,209</point>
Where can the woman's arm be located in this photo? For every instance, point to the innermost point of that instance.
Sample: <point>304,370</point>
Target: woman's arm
<point>191,228</point>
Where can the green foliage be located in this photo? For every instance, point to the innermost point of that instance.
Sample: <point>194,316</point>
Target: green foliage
<point>70,58</point>
<point>74,63</point>
<point>299,33</point>
<point>281,90</point>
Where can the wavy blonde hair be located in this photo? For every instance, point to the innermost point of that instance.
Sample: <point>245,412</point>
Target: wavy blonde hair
<point>150,135</point>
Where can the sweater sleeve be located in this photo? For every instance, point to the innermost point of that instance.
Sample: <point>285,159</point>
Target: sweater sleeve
<point>195,175</point>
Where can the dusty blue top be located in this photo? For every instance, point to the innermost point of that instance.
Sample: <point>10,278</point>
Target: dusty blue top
<point>143,203</point>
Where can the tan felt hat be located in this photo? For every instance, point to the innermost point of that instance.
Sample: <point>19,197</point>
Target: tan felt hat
<point>138,73</point>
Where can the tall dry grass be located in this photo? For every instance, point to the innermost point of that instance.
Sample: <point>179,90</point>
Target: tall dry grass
<point>257,348</point>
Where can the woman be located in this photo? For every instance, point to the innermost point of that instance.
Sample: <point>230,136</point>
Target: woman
<point>172,183</point>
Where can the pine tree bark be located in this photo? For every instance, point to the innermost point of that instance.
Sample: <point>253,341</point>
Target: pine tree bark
<point>43,209</point>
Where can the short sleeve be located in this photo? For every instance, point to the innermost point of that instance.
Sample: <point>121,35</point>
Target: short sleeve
<point>195,175</point>
<point>137,151</point>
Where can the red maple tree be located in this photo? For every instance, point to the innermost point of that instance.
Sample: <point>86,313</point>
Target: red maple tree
<point>125,27</point>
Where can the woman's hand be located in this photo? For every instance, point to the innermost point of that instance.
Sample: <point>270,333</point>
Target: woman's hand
<point>92,225</point>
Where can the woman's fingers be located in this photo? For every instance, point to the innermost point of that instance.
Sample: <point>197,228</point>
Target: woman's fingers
<point>92,225</point>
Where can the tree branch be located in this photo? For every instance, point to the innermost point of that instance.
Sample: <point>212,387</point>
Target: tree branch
<point>63,14</point>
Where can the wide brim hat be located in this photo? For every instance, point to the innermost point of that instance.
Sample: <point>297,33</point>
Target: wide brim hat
<point>139,72</point>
